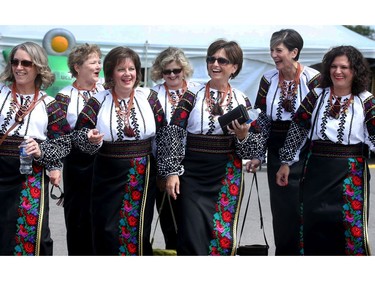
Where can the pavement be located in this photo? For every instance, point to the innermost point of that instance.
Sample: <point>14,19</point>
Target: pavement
<point>252,233</point>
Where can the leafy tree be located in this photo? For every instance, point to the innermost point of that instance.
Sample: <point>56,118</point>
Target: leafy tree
<point>364,30</point>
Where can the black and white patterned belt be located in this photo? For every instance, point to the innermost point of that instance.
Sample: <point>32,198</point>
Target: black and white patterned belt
<point>211,143</point>
<point>334,150</point>
<point>126,149</point>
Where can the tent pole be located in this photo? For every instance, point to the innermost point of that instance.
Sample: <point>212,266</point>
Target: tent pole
<point>146,64</point>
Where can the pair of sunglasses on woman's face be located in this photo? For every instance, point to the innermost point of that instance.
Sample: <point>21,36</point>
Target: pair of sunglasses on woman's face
<point>220,60</point>
<point>170,71</point>
<point>24,63</point>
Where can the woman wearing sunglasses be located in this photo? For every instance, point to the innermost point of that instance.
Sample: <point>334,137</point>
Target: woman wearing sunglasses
<point>201,164</point>
<point>174,70</point>
<point>26,110</point>
<point>85,64</point>
<point>281,91</point>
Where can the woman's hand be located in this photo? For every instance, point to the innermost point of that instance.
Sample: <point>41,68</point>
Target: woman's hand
<point>55,177</point>
<point>241,131</point>
<point>32,148</point>
<point>282,175</point>
<point>95,137</point>
<point>172,186</point>
<point>252,165</point>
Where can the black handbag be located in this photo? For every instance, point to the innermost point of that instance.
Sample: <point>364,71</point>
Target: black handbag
<point>253,249</point>
<point>239,113</point>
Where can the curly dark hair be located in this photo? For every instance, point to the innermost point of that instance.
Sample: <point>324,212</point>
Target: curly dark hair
<point>359,65</point>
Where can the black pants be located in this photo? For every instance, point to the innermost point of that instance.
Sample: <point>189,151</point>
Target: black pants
<point>78,169</point>
<point>285,201</point>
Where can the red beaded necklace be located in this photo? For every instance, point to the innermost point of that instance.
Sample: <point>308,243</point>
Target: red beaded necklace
<point>171,100</point>
<point>75,85</point>
<point>124,112</point>
<point>287,89</point>
<point>24,109</point>
<point>216,107</point>
<point>336,107</point>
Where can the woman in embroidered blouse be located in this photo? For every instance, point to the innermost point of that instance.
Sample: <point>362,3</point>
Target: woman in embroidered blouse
<point>338,120</point>
<point>26,110</point>
<point>205,175</point>
<point>120,124</point>
<point>84,63</point>
<point>173,68</point>
<point>281,91</point>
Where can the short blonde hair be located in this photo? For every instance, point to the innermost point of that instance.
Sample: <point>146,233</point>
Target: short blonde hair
<point>168,56</point>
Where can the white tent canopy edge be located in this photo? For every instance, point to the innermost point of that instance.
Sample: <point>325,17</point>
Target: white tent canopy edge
<point>149,40</point>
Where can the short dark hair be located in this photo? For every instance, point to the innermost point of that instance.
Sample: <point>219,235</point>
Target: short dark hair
<point>232,50</point>
<point>290,38</point>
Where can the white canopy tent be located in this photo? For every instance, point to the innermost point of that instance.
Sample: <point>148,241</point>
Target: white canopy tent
<point>149,40</point>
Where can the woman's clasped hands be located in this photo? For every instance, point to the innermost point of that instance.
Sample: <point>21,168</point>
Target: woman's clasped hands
<point>95,137</point>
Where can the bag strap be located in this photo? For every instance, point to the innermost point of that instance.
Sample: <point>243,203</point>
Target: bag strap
<point>255,179</point>
<point>8,131</point>
<point>160,210</point>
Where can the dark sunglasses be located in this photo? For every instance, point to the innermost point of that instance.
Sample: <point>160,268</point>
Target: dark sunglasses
<point>170,71</point>
<point>24,63</point>
<point>220,60</point>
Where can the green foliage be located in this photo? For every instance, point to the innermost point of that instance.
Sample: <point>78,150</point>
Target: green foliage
<point>364,30</point>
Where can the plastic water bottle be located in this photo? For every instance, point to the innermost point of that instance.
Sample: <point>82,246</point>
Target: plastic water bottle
<point>26,161</point>
<point>253,114</point>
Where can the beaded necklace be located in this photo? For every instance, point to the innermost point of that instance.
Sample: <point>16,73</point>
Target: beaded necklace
<point>75,85</point>
<point>337,107</point>
<point>123,111</point>
<point>175,100</point>
<point>289,90</point>
<point>24,109</point>
<point>215,107</point>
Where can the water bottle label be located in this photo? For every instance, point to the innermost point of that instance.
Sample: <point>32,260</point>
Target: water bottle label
<point>253,115</point>
<point>23,152</point>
